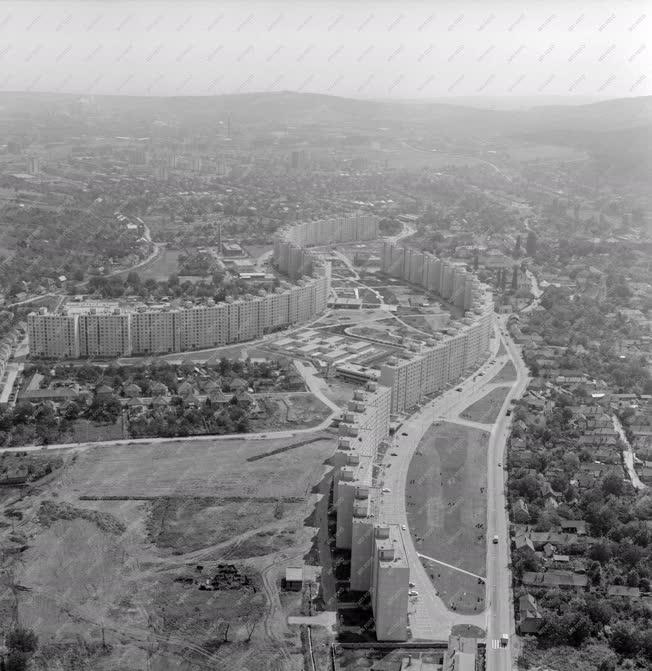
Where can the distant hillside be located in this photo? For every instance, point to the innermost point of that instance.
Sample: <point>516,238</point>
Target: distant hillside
<point>552,123</point>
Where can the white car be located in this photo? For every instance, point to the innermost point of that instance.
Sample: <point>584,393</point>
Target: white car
<point>387,491</point>
<point>403,527</point>
<point>413,592</point>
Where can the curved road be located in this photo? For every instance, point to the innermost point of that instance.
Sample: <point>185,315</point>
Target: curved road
<point>429,618</point>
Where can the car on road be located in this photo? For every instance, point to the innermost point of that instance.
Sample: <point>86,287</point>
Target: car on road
<point>412,584</point>
<point>404,433</point>
<point>459,389</point>
<point>386,490</point>
<point>413,592</point>
<point>509,412</point>
<point>495,540</point>
<point>393,454</point>
<point>500,465</point>
<point>504,640</point>
<point>403,527</point>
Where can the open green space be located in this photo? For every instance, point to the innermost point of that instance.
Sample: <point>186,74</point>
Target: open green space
<point>164,265</point>
<point>447,509</point>
<point>460,592</point>
<point>487,409</point>
<point>506,374</point>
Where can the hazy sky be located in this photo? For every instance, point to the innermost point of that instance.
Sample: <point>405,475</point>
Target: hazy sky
<point>361,49</point>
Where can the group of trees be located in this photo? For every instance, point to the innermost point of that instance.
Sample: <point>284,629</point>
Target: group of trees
<point>42,423</point>
<point>159,370</point>
<point>217,287</point>
<point>568,322</point>
<point>617,552</point>
<point>50,243</point>
<point>178,420</point>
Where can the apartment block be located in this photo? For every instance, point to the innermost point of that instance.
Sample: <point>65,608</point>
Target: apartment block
<point>390,583</point>
<point>53,335</point>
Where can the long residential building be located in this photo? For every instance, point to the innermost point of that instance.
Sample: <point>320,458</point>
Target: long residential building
<point>378,559</point>
<point>460,347</point>
<point>111,331</point>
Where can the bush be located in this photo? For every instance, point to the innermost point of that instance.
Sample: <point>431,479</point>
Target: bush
<point>625,640</point>
<point>22,640</point>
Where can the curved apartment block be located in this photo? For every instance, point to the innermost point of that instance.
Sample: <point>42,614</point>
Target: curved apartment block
<point>378,557</point>
<point>461,346</point>
<point>114,331</point>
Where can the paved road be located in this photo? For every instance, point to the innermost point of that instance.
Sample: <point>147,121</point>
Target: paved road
<point>499,580</point>
<point>628,455</point>
<point>429,617</point>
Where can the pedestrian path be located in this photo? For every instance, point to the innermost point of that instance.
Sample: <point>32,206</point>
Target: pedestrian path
<point>455,568</point>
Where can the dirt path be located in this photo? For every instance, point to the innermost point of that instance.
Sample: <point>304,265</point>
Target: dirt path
<point>274,609</point>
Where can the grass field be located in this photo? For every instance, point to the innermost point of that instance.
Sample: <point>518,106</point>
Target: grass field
<point>206,468</point>
<point>162,267</point>
<point>487,409</point>
<point>460,592</point>
<point>506,374</point>
<point>445,501</point>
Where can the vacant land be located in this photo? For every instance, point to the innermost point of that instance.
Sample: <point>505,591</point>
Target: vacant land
<point>353,659</point>
<point>210,468</point>
<point>487,409</point>
<point>506,374</point>
<point>447,508</point>
<point>85,431</point>
<point>144,575</point>
<point>185,524</point>
<point>300,410</point>
<point>160,268</point>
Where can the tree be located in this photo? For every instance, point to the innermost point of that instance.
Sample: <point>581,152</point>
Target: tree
<point>625,640</point>
<point>250,626</point>
<point>633,578</point>
<point>22,639</point>
<point>599,611</point>
<point>17,661</point>
<point>607,665</point>
<point>517,247</point>
<point>612,484</point>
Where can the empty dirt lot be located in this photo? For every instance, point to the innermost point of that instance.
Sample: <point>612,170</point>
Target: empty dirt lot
<point>447,509</point>
<point>137,573</point>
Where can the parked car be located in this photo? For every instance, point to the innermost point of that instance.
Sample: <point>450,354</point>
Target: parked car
<point>495,540</point>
